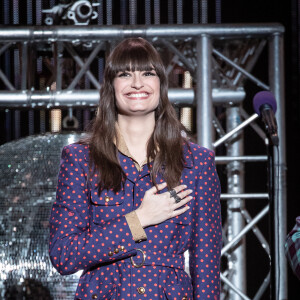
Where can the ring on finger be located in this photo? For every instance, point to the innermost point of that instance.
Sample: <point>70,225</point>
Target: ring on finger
<point>174,195</point>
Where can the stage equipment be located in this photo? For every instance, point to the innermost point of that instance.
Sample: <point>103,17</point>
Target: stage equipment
<point>265,105</point>
<point>220,58</point>
<point>71,12</point>
<point>29,169</point>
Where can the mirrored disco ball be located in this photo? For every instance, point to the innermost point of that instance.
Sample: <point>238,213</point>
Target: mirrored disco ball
<point>29,169</point>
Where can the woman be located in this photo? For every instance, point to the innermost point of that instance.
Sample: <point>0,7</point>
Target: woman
<point>134,196</point>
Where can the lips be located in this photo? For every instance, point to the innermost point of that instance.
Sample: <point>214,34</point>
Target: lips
<point>141,95</point>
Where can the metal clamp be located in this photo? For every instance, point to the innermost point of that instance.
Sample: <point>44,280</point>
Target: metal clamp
<point>142,263</point>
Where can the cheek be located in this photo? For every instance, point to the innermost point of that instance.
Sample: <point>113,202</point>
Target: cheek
<point>118,85</point>
<point>118,102</point>
<point>117,88</point>
<point>156,87</point>
<point>158,98</point>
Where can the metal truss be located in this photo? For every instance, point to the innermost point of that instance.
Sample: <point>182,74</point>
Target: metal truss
<point>220,59</point>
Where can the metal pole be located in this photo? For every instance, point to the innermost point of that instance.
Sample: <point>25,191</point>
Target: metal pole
<point>81,64</point>
<point>276,75</point>
<point>90,33</point>
<point>6,82</point>
<point>204,91</point>
<point>235,185</point>
<point>241,70</point>
<point>254,158</point>
<point>85,67</point>
<point>181,56</point>
<point>83,98</point>
<point>244,196</point>
<point>234,288</point>
<point>245,229</point>
<point>235,130</point>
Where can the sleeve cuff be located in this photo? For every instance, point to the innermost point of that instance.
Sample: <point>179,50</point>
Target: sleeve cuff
<point>138,232</point>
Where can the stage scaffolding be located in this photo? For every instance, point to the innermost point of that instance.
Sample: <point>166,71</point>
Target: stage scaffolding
<point>202,50</point>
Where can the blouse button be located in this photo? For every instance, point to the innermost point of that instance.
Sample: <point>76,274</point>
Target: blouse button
<point>94,296</point>
<point>122,248</point>
<point>107,199</point>
<point>141,290</point>
<point>110,253</point>
<point>184,298</point>
<point>117,250</point>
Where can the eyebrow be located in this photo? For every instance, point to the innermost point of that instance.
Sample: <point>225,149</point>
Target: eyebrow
<point>136,69</point>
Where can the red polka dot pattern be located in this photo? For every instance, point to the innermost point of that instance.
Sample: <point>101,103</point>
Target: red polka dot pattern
<point>89,232</point>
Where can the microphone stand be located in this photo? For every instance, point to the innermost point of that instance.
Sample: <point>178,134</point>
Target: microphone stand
<point>271,148</point>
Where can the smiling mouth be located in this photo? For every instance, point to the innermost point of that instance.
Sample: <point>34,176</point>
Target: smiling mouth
<point>137,95</point>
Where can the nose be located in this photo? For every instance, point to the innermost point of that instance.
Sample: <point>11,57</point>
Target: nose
<point>137,81</point>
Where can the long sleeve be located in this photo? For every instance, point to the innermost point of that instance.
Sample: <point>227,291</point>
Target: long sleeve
<point>206,237</point>
<point>292,248</point>
<point>75,243</point>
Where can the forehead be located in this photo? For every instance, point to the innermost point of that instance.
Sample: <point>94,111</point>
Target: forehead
<point>134,59</point>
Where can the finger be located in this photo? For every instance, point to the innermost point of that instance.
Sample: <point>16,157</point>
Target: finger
<point>157,188</point>
<point>180,211</point>
<point>182,202</point>
<point>180,188</point>
<point>185,193</point>
<point>177,189</point>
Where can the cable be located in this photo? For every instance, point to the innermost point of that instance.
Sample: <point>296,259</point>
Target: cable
<point>276,206</point>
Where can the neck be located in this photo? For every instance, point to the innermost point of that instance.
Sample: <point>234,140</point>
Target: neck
<point>136,131</point>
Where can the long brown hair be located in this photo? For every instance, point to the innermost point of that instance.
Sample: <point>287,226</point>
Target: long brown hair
<point>165,145</point>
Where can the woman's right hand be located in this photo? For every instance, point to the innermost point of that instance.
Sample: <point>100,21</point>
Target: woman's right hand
<point>156,208</point>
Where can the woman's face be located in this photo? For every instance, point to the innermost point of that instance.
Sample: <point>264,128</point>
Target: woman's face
<point>137,92</point>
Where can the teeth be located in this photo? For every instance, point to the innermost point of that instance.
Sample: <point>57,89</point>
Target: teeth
<point>138,95</point>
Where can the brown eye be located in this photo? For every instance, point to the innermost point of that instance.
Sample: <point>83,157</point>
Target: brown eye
<point>149,73</point>
<point>123,74</point>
